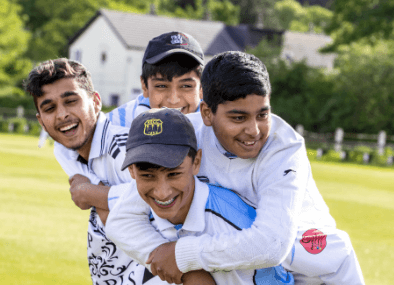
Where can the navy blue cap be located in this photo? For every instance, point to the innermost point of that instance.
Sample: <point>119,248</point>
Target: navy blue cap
<point>170,43</point>
<point>160,136</point>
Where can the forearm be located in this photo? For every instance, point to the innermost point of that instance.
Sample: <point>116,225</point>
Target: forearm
<point>103,214</point>
<point>246,249</point>
<point>95,195</point>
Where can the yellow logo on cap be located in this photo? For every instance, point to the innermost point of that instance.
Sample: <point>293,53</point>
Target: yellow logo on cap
<point>153,127</point>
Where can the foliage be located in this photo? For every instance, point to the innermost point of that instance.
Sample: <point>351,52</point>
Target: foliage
<point>361,19</point>
<point>256,12</point>
<point>357,96</point>
<point>15,101</point>
<point>267,51</point>
<point>363,100</point>
<point>54,23</point>
<point>223,11</point>
<point>301,94</point>
<point>292,16</point>
<point>13,43</point>
<point>18,125</point>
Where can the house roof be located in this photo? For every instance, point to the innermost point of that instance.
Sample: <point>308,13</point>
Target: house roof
<point>300,46</point>
<point>136,30</point>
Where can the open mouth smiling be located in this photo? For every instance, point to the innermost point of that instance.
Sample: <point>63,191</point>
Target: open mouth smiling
<point>165,204</point>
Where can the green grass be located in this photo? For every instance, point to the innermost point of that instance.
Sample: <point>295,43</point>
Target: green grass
<point>43,234</point>
<point>361,199</point>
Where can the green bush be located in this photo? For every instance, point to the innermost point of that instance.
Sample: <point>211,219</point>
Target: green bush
<point>19,125</point>
<point>332,156</point>
<point>3,125</point>
<point>34,128</point>
<point>357,154</point>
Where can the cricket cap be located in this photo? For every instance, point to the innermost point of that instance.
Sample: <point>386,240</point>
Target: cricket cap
<point>170,43</point>
<point>160,136</point>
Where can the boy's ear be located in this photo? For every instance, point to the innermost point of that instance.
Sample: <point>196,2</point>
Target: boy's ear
<point>131,170</point>
<point>97,102</point>
<point>197,162</point>
<point>38,116</point>
<point>144,87</point>
<point>206,114</point>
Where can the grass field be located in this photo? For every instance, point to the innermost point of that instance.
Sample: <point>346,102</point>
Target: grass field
<point>43,235</point>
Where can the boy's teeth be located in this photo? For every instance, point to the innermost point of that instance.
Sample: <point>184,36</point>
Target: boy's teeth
<point>166,202</point>
<point>66,128</point>
<point>249,143</point>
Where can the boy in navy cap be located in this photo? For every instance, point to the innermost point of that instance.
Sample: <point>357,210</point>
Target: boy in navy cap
<point>163,159</point>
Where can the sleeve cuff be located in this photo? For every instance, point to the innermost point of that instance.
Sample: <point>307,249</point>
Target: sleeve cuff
<point>187,254</point>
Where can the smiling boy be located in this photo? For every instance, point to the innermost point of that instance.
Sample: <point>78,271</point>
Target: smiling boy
<point>254,152</point>
<point>163,159</point>
<point>69,110</point>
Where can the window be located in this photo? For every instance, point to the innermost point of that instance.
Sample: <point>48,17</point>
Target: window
<point>78,55</point>
<point>115,100</point>
<point>103,57</point>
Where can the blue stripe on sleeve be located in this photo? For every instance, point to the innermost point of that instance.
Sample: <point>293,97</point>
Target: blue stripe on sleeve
<point>122,116</point>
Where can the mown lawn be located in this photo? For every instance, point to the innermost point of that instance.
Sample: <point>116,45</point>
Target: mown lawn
<point>43,235</point>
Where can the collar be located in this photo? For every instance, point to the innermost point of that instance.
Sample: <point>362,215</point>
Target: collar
<point>195,219</point>
<point>99,145</point>
<point>222,150</point>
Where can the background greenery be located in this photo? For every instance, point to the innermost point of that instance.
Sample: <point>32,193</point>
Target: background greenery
<point>356,96</point>
<point>43,235</point>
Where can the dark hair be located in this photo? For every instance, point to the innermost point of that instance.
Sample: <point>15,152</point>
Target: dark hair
<point>146,165</point>
<point>50,71</point>
<point>232,75</point>
<point>172,66</point>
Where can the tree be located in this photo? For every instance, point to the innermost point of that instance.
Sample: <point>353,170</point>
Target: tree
<point>363,98</point>
<point>13,44</point>
<point>292,16</point>
<point>361,19</point>
<point>257,12</point>
<point>52,23</point>
<point>215,10</point>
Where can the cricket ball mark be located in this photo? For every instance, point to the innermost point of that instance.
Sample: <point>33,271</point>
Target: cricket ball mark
<point>314,241</point>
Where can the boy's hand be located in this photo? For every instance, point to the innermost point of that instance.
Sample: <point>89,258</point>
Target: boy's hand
<point>77,183</point>
<point>198,277</point>
<point>162,261</point>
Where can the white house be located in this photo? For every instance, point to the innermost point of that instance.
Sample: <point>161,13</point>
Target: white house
<point>112,43</point>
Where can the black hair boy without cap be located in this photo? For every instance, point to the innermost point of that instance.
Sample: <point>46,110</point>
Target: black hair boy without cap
<point>233,75</point>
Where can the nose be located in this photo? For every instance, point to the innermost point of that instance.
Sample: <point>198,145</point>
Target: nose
<point>61,113</point>
<point>162,191</point>
<point>252,128</point>
<point>173,97</point>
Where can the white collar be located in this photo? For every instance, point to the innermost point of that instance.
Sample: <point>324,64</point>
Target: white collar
<point>99,146</point>
<point>195,219</point>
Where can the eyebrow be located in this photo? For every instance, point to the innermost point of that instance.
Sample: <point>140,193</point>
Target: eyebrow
<point>63,95</point>
<point>161,79</point>
<point>235,111</point>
